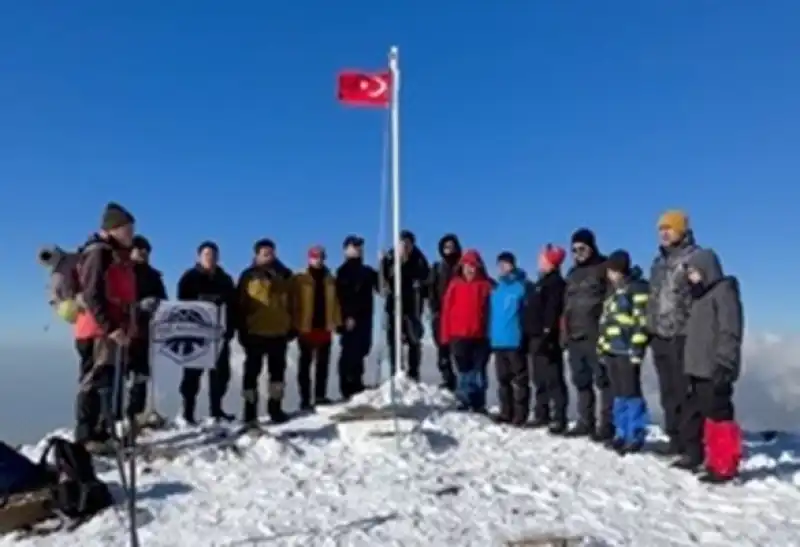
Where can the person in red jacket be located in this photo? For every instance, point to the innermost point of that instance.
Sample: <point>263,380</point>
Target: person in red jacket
<point>105,325</point>
<point>464,327</point>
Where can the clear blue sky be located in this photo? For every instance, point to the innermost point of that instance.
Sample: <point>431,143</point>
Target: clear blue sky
<point>521,121</point>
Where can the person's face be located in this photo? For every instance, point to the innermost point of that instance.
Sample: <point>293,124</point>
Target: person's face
<point>315,261</point>
<point>208,258</point>
<point>544,265</point>
<point>468,270</point>
<point>667,236</point>
<point>265,255</point>
<point>449,248</point>
<point>581,252</point>
<point>695,277</point>
<point>124,234</point>
<point>613,277</point>
<point>504,267</point>
<point>353,251</point>
<point>406,247</point>
<point>140,255</point>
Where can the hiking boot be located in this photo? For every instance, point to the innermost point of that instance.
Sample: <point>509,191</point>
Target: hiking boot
<point>250,413</point>
<point>448,385</point>
<point>539,422</point>
<point>667,449</point>
<point>306,406</point>
<point>322,401</point>
<point>501,419</point>
<point>603,434</point>
<point>688,463</point>
<point>580,429</point>
<point>557,428</point>
<point>519,421</point>
<point>276,413</point>
<point>222,417</point>
<point>709,477</point>
<point>617,444</point>
<point>633,448</point>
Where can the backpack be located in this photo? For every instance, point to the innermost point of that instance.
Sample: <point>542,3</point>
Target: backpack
<point>65,298</point>
<point>77,493</point>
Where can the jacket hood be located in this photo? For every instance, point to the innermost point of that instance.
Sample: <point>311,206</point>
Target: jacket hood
<point>515,275</point>
<point>451,238</point>
<point>473,257</point>
<point>708,264</point>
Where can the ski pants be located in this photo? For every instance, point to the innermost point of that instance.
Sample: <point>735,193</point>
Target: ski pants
<point>587,374</point>
<point>547,362</point>
<point>218,379</point>
<point>513,384</point>
<point>629,409</point>
<point>708,426</point>
<point>444,358</point>
<point>314,353</point>
<point>672,383</point>
<point>94,410</point>
<point>354,348</point>
<point>256,348</point>
<point>411,335</point>
<point>471,357</point>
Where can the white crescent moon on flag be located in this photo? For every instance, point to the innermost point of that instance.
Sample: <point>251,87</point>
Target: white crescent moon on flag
<point>380,87</point>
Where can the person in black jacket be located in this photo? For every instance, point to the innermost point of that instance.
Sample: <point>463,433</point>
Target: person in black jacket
<point>356,284</point>
<point>414,273</point>
<point>544,305</point>
<point>150,290</point>
<point>208,282</point>
<point>586,290</point>
<point>441,274</point>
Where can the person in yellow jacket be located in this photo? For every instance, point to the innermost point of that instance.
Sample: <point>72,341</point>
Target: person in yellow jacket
<point>266,326</point>
<point>317,316</point>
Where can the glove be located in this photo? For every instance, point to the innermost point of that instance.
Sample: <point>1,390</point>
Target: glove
<point>149,304</point>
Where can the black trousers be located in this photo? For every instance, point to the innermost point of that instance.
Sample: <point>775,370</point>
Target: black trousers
<point>411,335</point>
<point>138,372</point>
<point>256,348</point>
<point>318,356</point>
<point>444,357</point>
<point>672,383</point>
<point>218,380</point>
<point>547,362</point>
<point>513,385</point>
<point>587,374</point>
<point>703,400</point>
<point>354,347</point>
<point>625,377</point>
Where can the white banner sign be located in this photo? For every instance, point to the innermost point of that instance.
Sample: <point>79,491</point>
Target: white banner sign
<point>187,334</point>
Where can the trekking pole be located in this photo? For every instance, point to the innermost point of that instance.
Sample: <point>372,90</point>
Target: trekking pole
<point>132,494</point>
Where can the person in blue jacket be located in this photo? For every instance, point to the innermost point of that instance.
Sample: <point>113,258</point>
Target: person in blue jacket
<point>505,333</point>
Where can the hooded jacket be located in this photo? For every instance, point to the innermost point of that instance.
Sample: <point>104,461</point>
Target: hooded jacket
<point>505,316</point>
<point>670,293</point>
<point>586,289</point>
<point>465,308</point>
<point>414,275</point>
<point>442,272</point>
<point>716,323</point>
<point>624,321</point>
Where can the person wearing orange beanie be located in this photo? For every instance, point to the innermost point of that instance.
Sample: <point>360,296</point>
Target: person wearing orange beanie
<point>667,315</point>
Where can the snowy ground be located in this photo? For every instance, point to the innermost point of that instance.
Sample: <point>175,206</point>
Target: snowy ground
<point>457,480</point>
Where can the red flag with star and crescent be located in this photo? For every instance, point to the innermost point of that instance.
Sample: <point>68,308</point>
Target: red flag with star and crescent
<point>365,89</point>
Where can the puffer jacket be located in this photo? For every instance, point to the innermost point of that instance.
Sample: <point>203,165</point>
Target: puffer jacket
<point>670,294</point>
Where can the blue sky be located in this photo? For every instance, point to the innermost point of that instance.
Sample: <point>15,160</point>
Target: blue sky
<point>521,121</point>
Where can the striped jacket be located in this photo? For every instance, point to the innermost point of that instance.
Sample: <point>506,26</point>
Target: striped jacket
<point>623,324</point>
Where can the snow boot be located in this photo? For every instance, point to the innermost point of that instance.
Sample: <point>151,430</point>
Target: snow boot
<point>501,419</point>
<point>688,463</point>
<point>539,422</point>
<point>668,449</point>
<point>557,428</point>
<point>250,410</point>
<point>276,413</point>
<point>603,434</point>
<point>709,477</point>
<point>322,401</point>
<point>632,448</point>
<point>306,406</point>
<point>617,444</point>
<point>580,429</point>
<point>188,415</point>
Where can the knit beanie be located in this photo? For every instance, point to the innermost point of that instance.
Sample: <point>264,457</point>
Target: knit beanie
<point>115,216</point>
<point>619,261</point>
<point>553,255</point>
<point>472,258</point>
<point>208,245</point>
<point>507,256</point>
<point>353,241</point>
<point>584,236</point>
<point>317,251</point>
<point>140,242</point>
<point>675,220</point>
<point>263,243</point>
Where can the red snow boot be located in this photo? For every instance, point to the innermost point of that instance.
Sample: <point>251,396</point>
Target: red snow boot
<point>723,449</point>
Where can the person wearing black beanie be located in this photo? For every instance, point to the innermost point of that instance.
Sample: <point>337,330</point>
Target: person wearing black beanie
<point>585,292</point>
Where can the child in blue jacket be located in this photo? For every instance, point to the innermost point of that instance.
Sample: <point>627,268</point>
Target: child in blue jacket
<point>505,334</point>
<point>621,347</point>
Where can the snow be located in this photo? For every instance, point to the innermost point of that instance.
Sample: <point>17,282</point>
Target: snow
<point>456,479</point>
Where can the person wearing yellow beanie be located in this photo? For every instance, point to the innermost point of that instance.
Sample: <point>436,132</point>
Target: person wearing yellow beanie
<point>667,314</point>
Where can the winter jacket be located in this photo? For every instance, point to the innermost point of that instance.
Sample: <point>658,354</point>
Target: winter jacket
<point>623,324</point>
<point>505,317</point>
<point>214,286</point>
<point>356,285</point>
<point>584,294</point>
<point>149,284</point>
<point>442,272</point>
<point>266,299</point>
<point>670,294</point>
<point>465,309</point>
<point>316,305</point>
<point>716,323</point>
<point>414,274</point>
<point>108,289</point>
<point>544,306</point>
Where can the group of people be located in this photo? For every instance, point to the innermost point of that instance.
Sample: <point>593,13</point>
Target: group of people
<point>602,313</point>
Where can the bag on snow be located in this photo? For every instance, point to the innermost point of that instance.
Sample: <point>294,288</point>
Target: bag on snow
<point>24,491</point>
<point>65,297</point>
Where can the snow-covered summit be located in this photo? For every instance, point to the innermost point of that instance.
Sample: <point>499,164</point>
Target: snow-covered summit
<point>456,479</point>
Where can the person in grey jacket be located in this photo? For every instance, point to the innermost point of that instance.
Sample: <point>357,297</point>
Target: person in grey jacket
<point>667,315</point>
<point>712,360</point>
<point>585,291</point>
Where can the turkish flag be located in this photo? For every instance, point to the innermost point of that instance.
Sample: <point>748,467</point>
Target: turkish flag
<point>365,88</point>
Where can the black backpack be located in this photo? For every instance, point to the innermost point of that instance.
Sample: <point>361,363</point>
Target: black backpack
<point>77,493</point>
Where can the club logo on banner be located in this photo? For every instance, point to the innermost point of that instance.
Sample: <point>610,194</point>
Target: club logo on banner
<point>187,334</point>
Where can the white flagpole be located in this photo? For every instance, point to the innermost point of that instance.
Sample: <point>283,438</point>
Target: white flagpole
<point>395,178</point>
